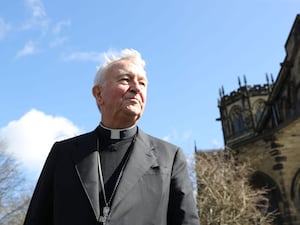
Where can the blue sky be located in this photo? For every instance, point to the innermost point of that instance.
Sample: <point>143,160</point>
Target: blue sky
<point>49,51</point>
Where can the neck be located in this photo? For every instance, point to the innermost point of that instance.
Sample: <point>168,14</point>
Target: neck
<point>118,125</point>
<point>116,129</point>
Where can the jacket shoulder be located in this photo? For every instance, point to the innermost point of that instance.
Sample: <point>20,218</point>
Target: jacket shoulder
<point>77,139</point>
<point>158,142</point>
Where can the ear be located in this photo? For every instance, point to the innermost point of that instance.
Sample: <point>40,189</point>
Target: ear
<point>97,93</point>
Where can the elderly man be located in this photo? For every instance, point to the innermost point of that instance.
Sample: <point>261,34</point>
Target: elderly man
<point>116,174</point>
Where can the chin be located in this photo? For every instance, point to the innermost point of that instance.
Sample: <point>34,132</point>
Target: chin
<point>134,113</point>
<point>134,110</point>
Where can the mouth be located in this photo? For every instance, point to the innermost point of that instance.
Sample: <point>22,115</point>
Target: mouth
<point>134,100</point>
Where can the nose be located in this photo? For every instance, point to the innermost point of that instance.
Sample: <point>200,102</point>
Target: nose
<point>135,87</point>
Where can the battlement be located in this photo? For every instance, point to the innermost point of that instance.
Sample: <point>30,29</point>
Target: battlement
<point>247,91</point>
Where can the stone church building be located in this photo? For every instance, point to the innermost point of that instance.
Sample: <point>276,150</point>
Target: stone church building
<point>263,122</point>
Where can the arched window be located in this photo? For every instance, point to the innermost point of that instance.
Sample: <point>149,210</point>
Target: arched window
<point>237,120</point>
<point>258,108</point>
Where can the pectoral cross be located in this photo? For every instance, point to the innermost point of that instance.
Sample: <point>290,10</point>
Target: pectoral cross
<point>103,219</point>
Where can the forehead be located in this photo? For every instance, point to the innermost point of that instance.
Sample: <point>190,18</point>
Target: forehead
<point>126,66</point>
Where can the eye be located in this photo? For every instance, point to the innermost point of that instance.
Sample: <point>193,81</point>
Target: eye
<point>124,79</point>
<point>143,83</point>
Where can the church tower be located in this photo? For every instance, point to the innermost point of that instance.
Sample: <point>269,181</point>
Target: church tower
<point>241,110</point>
<point>262,123</point>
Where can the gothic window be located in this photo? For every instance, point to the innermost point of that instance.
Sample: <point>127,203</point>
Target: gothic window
<point>237,120</point>
<point>258,107</point>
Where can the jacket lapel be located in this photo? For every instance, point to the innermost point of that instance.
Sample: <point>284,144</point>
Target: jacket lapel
<point>86,165</point>
<point>141,159</point>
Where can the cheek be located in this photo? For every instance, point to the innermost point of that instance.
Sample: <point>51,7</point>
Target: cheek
<point>113,95</point>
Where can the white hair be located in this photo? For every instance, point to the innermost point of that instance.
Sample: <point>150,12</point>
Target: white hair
<point>111,57</point>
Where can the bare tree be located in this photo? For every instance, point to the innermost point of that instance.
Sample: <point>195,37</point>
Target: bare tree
<point>225,196</point>
<point>14,197</point>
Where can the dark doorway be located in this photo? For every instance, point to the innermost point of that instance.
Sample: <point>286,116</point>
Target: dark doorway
<point>261,180</point>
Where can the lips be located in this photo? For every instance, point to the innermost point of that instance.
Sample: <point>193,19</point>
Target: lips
<point>136,100</point>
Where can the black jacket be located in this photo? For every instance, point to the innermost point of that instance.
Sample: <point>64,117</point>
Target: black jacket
<point>155,187</point>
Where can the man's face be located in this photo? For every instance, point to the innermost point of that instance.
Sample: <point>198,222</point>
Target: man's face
<point>123,94</point>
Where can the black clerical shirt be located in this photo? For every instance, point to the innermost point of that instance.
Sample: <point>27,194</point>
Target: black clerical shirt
<point>114,148</point>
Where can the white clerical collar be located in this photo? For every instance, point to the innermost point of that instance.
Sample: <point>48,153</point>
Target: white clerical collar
<point>120,133</point>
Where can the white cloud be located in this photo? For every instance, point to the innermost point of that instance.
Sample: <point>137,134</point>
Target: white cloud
<point>30,138</point>
<point>36,7</point>
<point>171,136</point>
<point>84,56</point>
<point>4,28</point>
<point>175,136</point>
<point>38,16</point>
<point>217,144</point>
<point>56,30</point>
<point>58,41</point>
<point>48,30</point>
<point>29,49</point>
<point>59,26</point>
